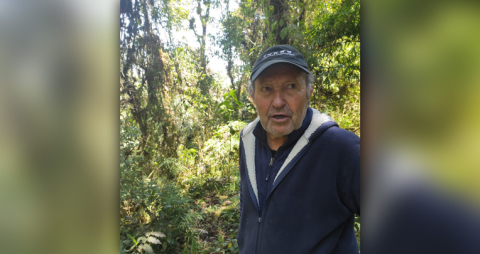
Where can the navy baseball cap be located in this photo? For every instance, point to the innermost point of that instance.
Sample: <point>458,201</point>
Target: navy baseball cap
<point>278,54</point>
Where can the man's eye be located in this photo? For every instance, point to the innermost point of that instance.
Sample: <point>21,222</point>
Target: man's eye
<point>265,89</point>
<point>291,86</point>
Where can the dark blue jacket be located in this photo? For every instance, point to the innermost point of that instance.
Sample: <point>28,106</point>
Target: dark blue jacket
<point>308,201</point>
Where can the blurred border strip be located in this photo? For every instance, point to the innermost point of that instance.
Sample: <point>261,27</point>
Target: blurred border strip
<point>420,126</point>
<point>59,131</point>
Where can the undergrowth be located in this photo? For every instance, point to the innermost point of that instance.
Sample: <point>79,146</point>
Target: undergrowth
<point>196,212</point>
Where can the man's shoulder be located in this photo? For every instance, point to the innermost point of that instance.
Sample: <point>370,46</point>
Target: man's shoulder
<point>336,137</point>
<point>337,132</point>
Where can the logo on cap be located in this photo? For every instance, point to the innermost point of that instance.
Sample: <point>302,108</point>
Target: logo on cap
<point>283,52</point>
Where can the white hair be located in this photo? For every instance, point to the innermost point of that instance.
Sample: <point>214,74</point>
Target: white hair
<point>309,80</point>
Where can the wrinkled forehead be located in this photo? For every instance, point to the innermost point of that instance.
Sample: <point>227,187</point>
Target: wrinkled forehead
<point>281,70</point>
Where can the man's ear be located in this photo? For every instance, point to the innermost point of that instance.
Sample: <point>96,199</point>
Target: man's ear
<point>251,92</point>
<point>310,93</point>
<point>251,98</point>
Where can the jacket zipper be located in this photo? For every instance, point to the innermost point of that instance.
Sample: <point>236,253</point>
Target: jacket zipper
<point>259,227</point>
<point>258,233</point>
<point>265,205</point>
<point>266,179</point>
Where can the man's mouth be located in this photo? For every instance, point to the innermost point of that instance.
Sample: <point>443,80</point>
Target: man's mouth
<point>279,116</point>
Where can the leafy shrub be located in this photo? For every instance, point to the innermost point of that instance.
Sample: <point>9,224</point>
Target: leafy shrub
<point>147,205</point>
<point>143,243</point>
<point>220,153</point>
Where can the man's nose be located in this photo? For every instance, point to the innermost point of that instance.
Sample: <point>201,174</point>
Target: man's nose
<point>278,100</point>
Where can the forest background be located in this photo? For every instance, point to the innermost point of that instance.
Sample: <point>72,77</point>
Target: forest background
<point>184,68</point>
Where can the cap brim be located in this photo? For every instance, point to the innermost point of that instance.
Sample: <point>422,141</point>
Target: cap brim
<point>269,63</point>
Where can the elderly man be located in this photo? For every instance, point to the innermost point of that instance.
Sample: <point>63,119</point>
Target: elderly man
<point>299,171</point>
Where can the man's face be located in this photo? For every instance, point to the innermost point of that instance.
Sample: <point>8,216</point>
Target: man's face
<point>281,99</point>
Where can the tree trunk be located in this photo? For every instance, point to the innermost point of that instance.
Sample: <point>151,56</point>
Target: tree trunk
<point>279,13</point>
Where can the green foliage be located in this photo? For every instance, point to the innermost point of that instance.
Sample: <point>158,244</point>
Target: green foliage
<point>228,106</point>
<point>147,205</point>
<point>333,37</point>
<point>223,144</point>
<point>168,207</point>
<point>345,110</point>
<point>144,243</point>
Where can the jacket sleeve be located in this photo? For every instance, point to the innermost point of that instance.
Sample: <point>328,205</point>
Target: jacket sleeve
<point>349,171</point>
<point>241,200</point>
<point>240,168</point>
